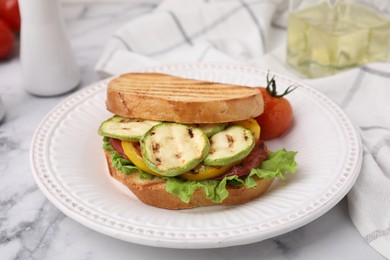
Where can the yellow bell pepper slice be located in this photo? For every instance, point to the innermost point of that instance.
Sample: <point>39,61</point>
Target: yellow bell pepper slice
<point>135,157</point>
<point>252,125</point>
<point>203,172</point>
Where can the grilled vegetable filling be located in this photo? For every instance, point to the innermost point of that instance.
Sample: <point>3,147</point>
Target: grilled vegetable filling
<point>195,152</point>
<point>191,156</point>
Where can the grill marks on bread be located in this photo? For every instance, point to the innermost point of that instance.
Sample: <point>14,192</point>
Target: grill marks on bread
<point>161,97</point>
<point>178,88</point>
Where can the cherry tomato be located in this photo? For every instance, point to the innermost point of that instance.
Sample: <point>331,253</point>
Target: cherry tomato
<point>9,12</point>
<point>278,114</point>
<point>7,40</point>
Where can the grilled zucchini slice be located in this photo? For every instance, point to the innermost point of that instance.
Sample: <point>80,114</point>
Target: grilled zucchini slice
<point>125,129</point>
<point>171,149</point>
<point>211,129</point>
<point>229,146</point>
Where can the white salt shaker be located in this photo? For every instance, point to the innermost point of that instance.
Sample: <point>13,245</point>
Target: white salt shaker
<point>48,63</point>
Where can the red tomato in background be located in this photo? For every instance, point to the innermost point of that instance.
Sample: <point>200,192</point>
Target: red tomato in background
<point>9,12</point>
<point>278,114</point>
<point>7,40</point>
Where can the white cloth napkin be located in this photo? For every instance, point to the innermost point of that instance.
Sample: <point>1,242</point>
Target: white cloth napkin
<point>253,32</point>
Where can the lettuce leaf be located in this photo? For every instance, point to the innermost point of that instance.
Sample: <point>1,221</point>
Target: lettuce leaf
<point>122,164</point>
<point>277,164</point>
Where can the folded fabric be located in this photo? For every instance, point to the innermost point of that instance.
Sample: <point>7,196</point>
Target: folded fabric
<point>245,32</point>
<point>364,94</point>
<point>191,31</point>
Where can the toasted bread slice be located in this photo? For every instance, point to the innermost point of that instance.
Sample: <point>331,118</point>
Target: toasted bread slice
<point>162,97</point>
<point>153,192</point>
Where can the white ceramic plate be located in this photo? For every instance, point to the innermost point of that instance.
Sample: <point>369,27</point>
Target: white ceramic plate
<point>69,166</point>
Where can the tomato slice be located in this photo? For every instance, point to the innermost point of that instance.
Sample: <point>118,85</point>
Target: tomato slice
<point>135,157</point>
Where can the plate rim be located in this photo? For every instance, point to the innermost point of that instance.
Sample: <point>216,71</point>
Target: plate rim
<point>141,237</point>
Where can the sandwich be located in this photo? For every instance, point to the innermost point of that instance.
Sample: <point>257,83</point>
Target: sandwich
<point>181,143</point>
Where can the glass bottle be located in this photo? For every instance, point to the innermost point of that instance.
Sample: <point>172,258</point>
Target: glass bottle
<point>325,37</point>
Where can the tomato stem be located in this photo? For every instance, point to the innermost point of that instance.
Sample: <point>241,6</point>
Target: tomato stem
<point>271,88</point>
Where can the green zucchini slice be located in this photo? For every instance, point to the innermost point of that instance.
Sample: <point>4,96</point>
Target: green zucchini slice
<point>211,129</point>
<point>171,149</point>
<point>229,146</point>
<point>125,129</point>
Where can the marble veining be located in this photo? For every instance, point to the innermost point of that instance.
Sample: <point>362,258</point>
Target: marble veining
<point>32,228</point>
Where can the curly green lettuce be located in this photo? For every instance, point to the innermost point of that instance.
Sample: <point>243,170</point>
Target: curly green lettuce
<point>277,164</point>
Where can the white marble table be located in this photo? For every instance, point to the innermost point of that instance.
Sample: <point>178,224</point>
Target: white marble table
<point>32,228</point>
